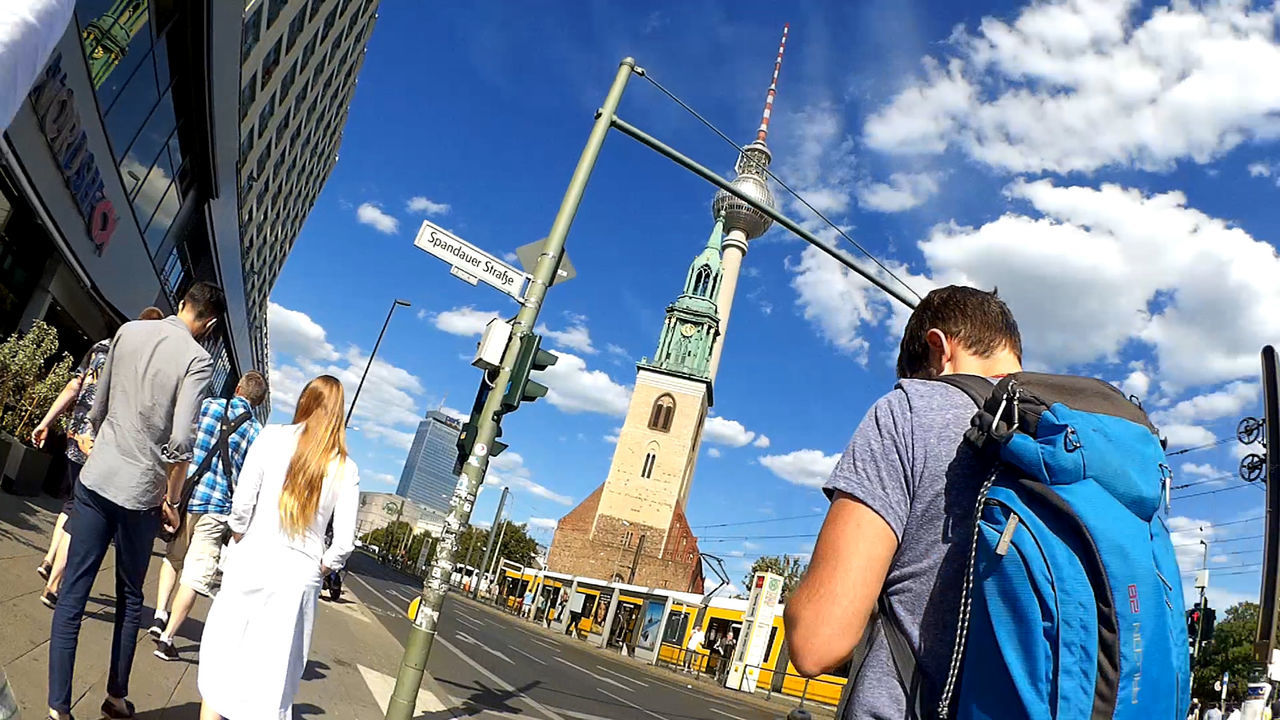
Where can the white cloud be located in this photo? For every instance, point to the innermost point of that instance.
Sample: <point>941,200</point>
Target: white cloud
<point>373,216</point>
<point>1136,384</point>
<point>508,469</point>
<point>903,192</point>
<point>1203,470</point>
<point>388,406</point>
<point>542,523</point>
<point>1200,293</point>
<point>420,204</point>
<point>617,351</point>
<point>573,388</point>
<point>575,337</point>
<point>1259,169</point>
<point>810,468</point>
<point>612,437</point>
<point>1230,401</point>
<point>510,257</point>
<point>1079,84</point>
<point>762,441</point>
<point>465,321</point>
<point>382,480</point>
<point>720,431</point>
<point>1186,435</point>
<point>714,452</point>
<point>295,334</point>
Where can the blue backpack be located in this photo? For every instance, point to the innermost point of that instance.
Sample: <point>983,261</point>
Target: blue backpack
<point>1072,605</point>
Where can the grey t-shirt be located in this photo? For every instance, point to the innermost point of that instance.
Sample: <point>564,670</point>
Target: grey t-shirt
<point>908,462</point>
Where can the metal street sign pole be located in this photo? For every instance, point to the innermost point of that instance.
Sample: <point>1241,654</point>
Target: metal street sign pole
<point>1266,641</point>
<point>493,532</point>
<point>422,633</point>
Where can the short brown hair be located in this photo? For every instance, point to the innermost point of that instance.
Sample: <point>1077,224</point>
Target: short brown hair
<point>151,313</point>
<point>976,319</point>
<point>206,300</point>
<point>252,387</point>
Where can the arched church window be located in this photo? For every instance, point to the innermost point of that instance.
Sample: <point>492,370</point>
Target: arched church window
<point>646,470</point>
<point>664,410</point>
<point>702,281</point>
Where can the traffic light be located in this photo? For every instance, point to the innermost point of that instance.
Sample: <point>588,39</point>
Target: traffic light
<point>531,358</point>
<point>467,435</point>
<point>1206,626</point>
<point>1193,623</point>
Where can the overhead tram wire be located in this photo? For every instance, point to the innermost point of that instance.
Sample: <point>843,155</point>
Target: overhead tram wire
<point>1206,446</point>
<point>1218,525</point>
<point>1222,542</point>
<point>1244,566</point>
<point>759,522</point>
<point>649,76</point>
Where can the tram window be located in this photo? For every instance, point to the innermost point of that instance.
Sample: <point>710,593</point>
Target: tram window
<point>677,623</point>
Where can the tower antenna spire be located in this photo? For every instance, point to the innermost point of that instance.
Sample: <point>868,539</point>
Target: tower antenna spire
<point>773,87</point>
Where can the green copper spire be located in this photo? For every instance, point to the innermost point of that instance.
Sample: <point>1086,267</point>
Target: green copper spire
<point>106,39</point>
<point>692,325</point>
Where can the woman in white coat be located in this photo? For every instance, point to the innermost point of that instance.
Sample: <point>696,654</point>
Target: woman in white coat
<point>295,477</point>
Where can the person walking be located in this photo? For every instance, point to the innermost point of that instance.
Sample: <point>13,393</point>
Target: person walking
<point>1213,713</point>
<point>225,431</point>
<point>77,396</point>
<point>691,649</point>
<point>526,603</point>
<point>295,478</point>
<point>149,391</point>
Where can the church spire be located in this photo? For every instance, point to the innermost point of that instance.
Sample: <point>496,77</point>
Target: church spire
<point>692,326</point>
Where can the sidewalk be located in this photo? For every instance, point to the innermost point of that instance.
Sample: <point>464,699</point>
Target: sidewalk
<point>774,702</point>
<point>353,657</point>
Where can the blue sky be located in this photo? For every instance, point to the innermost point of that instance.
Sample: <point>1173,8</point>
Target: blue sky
<point>1111,167</point>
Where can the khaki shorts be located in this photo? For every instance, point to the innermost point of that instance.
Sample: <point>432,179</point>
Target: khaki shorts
<point>195,552</point>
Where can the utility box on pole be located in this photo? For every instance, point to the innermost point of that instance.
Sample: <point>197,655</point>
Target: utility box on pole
<point>757,624</point>
<point>1266,641</point>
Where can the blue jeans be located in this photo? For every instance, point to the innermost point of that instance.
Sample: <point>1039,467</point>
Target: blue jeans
<point>96,522</point>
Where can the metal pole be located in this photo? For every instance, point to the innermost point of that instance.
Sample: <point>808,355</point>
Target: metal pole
<point>494,564</point>
<point>1266,641</point>
<point>488,548</point>
<point>635,561</point>
<point>351,410</point>
<point>414,663</point>
<point>839,255</point>
<point>1195,652</point>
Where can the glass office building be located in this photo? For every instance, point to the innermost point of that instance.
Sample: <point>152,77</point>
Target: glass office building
<point>429,472</point>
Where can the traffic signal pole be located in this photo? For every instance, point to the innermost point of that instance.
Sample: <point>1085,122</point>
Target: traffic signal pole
<point>1266,641</point>
<point>422,633</point>
<point>493,532</point>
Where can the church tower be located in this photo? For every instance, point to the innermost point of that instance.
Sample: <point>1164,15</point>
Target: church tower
<point>633,527</point>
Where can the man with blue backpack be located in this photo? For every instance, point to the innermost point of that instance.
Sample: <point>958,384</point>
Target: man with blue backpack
<point>996,544</point>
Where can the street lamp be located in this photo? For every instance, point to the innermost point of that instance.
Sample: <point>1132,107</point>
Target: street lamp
<point>351,410</point>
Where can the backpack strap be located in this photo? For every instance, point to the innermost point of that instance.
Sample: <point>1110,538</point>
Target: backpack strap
<point>900,653</point>
<point>976,387</point>
<point>222,447</point>
<point>224,442</point>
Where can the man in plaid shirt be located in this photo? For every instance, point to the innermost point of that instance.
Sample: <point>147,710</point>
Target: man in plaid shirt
<point>194,554</point>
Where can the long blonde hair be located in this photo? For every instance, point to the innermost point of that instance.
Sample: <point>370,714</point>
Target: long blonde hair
<point>322,442</point>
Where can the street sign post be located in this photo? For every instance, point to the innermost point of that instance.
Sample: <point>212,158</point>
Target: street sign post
<point>529,254</point>
<point>469,263</point>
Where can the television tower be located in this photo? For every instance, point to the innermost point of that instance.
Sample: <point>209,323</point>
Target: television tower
<point>742,222</point>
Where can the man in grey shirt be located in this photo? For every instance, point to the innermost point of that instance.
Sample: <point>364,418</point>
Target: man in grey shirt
<point>149,392</point>
<point>902,498</point>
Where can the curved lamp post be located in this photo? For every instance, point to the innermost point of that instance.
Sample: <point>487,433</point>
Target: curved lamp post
<point>351,410</point>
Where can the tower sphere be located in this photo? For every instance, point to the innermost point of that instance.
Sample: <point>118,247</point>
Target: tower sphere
<point>739,215</point>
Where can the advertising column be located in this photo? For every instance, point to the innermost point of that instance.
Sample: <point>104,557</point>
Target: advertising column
<point>766,589</point>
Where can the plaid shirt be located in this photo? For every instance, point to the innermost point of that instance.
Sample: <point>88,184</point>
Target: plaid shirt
<point>213,491</point>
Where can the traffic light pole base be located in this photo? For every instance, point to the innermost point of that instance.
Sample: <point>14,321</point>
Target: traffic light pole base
<point>412,668</point>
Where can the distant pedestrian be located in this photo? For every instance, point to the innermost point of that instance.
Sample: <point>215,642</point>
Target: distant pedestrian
<point>526,605</point>
<point>149,391</point>
<point>258,633</point>
<point>1213,713</point>
<point>691,649</point>
<point>1235,713</point>
<point>224,432</point>
<point>77,396</point>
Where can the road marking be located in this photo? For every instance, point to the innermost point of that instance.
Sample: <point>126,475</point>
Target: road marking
<point>499,681</point>
<point>528,656</point>
<point>581,715</point>
<point>395,608</point>
<point>472,623</point>
<point>628,702</point>
<point>601,678</point>
<point>381,686</point>
<point>735,717</point>
<point>472,641</point>
<point>624,677</point>
<point>545,644</point>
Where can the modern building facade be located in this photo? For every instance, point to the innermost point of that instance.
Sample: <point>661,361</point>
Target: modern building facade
<point>633,528</point>
<point>118,176</point>
<point>430,474</point>
<point>298,65</point>
<point>122,178</point>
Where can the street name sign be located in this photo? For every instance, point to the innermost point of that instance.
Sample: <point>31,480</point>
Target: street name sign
<point>470,263</point>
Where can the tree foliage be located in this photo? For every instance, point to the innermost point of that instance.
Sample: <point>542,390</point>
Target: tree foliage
<point>790,567</point>
<point>28,383</point>
<point>1231,650</point>
<point>516,546</point>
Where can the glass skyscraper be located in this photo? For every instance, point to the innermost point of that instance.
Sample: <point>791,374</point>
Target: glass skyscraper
<point>428,478</point>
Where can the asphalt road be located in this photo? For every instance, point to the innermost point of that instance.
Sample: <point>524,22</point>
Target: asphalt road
<point>504,667</point>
